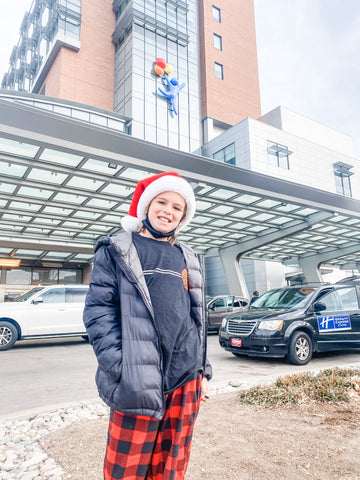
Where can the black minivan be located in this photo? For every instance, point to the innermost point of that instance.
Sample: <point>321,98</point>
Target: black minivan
<point>295,322</point>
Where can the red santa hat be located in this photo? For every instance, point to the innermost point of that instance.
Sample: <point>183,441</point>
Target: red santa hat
<point>149,188</point>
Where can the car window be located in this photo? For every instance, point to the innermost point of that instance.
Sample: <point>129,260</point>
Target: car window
<point>341,300</point>
<point>74,295</point>
<point>284,298</point>
<point>229,301</point>
<point>28,294</point>
<point>57,295</point>
<point>238,302</point>
<point>218,303</point>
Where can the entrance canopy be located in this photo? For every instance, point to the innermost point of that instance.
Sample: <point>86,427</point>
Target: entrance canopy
<point>66,182</point>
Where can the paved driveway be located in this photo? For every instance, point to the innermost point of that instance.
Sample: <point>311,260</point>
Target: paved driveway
<point>42,374</point>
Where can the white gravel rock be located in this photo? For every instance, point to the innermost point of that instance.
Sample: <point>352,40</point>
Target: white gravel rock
<point>8,466</point>
<point>29,475</point>
<point>21,457</point>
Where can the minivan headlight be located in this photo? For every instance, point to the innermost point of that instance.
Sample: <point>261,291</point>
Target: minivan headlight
<point>270,325</point>
<point>223,323</point>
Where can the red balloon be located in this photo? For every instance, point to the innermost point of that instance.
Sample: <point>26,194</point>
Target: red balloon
<point>160,62</point>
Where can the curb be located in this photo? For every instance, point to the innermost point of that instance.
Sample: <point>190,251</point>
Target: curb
<point>34,412</point>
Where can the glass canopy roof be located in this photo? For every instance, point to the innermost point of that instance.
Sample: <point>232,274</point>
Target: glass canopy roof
<point>56,202</point>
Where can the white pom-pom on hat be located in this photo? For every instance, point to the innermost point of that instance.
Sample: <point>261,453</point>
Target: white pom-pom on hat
<point>149,188</point>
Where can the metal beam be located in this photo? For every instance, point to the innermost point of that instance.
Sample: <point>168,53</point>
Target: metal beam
<point>353,247</point>
<point>241,247</point>
<point>23,123</point>
<point>21,242</point>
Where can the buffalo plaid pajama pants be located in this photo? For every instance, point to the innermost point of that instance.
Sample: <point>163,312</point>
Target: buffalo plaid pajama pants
<point>143,447</point>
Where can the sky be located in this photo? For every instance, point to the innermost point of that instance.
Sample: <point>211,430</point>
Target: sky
<point>308,56</point>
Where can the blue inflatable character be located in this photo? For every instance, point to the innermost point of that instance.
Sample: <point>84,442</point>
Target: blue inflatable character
<point>174,89</point>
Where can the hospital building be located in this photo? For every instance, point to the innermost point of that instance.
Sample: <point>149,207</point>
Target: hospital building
<point>101,94</point>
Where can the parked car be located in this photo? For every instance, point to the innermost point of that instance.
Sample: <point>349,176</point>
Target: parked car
<point>43,312</point>
<point>220,306</point>
<point>295,322</point>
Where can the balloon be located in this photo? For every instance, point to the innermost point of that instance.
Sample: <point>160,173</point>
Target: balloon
<point>168,69</point>
<point>160,62</point>
<point>158,70</point>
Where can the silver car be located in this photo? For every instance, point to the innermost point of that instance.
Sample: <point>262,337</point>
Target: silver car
<point>220,306</point>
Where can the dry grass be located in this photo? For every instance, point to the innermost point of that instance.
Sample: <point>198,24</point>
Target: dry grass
<point>331,386</point>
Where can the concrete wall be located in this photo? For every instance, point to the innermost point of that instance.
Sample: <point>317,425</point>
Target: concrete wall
<point>304,127</point>
<point>239,134</point>
<point>311,163</point>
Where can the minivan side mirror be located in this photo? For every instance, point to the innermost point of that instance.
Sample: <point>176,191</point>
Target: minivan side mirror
<point>38,300</point>
<point>318,306</point>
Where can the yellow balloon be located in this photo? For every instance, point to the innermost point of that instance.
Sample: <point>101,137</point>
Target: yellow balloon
<point>168,69</point>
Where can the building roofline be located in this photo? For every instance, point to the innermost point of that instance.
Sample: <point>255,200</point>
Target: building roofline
<point>23,122</point>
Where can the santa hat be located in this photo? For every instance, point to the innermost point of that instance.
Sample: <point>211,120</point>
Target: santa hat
<point>149,188</point>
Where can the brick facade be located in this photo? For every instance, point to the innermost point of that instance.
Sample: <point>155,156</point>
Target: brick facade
<point>237,96</point>
<point>87,76</point>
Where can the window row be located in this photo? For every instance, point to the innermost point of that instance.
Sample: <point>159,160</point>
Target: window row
<point>219,68</point>
<point>279,155</point>
<point>43,275</point>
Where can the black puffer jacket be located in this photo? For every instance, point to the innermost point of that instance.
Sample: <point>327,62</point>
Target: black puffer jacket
<point>119,319</point>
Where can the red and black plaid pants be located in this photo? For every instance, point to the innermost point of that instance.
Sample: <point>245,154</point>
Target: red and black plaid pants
<point>143,447</point>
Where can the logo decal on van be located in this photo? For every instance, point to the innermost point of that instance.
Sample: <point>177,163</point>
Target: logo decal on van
<point>333,323</point>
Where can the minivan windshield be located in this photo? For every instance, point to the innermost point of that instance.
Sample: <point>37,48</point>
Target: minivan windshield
<point>28,294</point>
<point>284,298</point>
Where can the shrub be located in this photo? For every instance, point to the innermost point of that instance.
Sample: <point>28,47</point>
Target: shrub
<point>332,385</point>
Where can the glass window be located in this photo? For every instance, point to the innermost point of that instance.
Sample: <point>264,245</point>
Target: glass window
<point>46,276</point>
<point>217,41</point>
<point>226,154</point>
<point>216,13</point>
<point>8,168</point>
<point>57,295</point>
<point>219,71</point>
<point>18,276</point>
<point>18,148</point>
<point>229,301</point>
<point>63,158</point>
<point>342,178</point>
<point>219,303</point>
<point>74,295</point>
<point>278,155</point>
<point>47,176</point>
<point>341,300</point>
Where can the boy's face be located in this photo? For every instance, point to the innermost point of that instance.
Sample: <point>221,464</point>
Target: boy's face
<point>166,211</point>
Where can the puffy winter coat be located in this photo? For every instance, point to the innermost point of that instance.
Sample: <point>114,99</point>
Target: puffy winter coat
<point>119,319</point>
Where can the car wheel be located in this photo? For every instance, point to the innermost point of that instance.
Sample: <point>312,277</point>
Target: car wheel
<point>300,348</point>
<point>8,335</point>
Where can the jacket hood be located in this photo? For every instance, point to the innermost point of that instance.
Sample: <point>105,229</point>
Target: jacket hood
<point>111,239</point>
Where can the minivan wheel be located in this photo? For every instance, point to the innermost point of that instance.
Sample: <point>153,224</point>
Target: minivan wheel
<point>8,335</point>
<point>300,348</point>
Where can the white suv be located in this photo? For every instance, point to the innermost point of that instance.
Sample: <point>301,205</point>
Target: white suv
<point>43,312</point>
